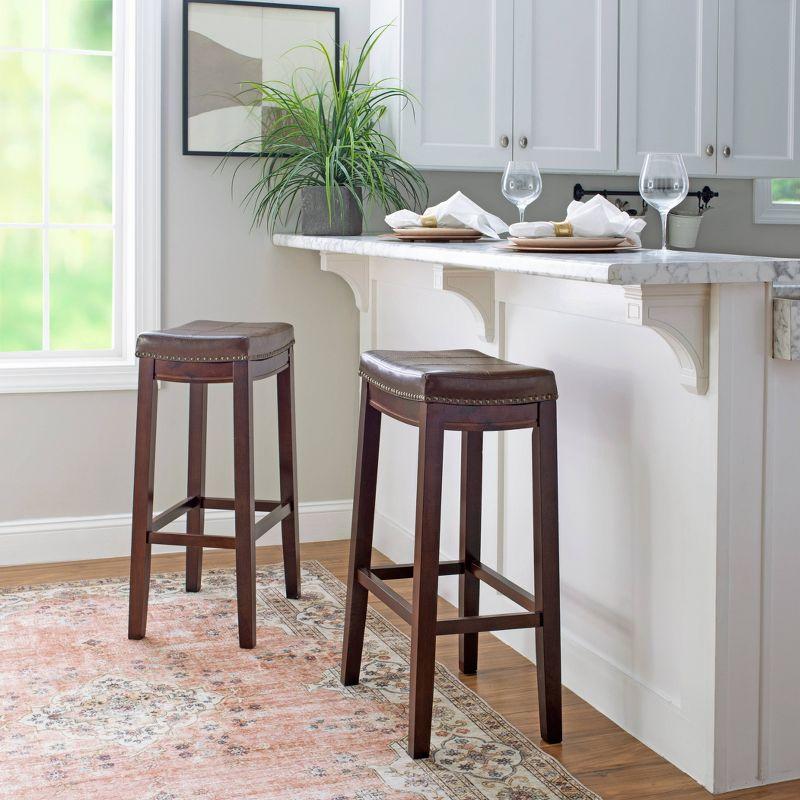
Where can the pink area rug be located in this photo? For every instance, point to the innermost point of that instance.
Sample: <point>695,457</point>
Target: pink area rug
<point>186,715</point>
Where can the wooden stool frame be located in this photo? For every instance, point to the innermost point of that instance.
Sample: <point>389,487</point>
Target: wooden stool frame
<point>147,529</point>
<point>542,611</point>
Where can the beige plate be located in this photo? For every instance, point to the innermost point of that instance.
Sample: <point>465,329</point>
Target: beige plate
<point>617,249</point>
<point>567,242</point>
<point>436,234</point>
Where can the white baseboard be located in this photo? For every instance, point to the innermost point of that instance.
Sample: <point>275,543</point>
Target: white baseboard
<point>39,541</point>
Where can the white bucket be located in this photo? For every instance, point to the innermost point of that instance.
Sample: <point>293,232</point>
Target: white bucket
<point>682,229</point>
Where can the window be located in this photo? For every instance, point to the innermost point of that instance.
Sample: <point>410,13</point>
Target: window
<point>79,138</point>
<point>777,201</point>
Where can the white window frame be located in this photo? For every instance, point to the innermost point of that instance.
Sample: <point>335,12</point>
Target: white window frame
<point>137,219</point>
<point>766,212</point>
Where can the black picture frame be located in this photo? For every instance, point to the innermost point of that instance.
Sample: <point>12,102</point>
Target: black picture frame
<point>185,64</point>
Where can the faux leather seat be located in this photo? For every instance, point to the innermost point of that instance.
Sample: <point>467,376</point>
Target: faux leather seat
<point>461,377</point>
<point>207,340</point>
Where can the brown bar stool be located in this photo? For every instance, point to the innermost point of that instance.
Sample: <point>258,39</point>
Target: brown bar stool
<point>468,391</point>
<point>200,353</point>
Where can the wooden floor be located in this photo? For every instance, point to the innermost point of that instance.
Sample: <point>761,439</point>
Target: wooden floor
<point>597,752</point>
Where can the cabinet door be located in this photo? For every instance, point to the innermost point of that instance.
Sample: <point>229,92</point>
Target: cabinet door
<point>456,58</point>
<point>668,82</point>
<point>759,108</point>
<point>565,83</point>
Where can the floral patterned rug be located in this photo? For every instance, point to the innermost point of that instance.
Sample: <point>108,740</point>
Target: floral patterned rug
<point>186,715</point>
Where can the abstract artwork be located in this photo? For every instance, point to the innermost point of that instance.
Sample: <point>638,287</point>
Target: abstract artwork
<point>228,45</point>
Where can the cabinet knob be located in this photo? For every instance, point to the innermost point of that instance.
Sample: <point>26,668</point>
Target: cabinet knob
<point>710,150</point>
<point>523,142</point>
<point>504,141</point>
<point>726,151</point>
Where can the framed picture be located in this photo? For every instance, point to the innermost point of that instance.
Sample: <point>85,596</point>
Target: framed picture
<point>229,44</point>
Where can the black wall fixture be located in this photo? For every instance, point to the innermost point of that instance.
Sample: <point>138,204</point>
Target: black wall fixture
<point>704,196</point>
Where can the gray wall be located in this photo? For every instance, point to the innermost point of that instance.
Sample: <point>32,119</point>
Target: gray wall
<point>70,454</point>
<point>727,228</point>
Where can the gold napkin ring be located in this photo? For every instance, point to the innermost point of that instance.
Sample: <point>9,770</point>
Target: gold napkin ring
<point>428,222</point>
<point>563,228</point>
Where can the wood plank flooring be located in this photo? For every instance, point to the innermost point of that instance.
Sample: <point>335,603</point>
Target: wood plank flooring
<point>597,752</point>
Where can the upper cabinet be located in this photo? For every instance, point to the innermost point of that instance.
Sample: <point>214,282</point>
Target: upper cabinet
<point>715,80</point>
<point>502,79</point>
<point>456,58</point>
<point>593,85</point>
<point>759,107</point>
<point>668,82</point>
<point>565,83</point>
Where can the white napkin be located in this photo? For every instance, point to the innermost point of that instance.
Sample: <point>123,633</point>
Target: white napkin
<point>456,212</point>
<point>596,217</point>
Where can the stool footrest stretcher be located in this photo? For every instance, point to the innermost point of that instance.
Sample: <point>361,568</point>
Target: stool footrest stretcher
<point>276,513</point>
<point>374,580</point>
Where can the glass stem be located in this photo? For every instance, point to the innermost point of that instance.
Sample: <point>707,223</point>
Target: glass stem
<point>663,229</point>
<point>521,210</point>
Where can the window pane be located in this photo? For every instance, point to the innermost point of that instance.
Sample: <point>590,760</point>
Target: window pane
<point>20,289</point>
<point>80,139</point>
<point>81,289</point>
<point>20,137</point>
<point>20,23</point>
<point>786,190</point>
<point>80,24</point>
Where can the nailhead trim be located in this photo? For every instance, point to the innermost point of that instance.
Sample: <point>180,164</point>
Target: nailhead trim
<point>141,354</point>
<point>457,401</point>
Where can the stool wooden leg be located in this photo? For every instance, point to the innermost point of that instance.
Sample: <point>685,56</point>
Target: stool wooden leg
<point>144,464</point>
<point>195,483</point>
<point>470,543</point>
<point>287,457</point>
<point>369,432</point>
<point>426,580</point>
<point>244,502</point>
<point>546,572</point>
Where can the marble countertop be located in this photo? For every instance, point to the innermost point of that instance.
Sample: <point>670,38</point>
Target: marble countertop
<point>641,267</point>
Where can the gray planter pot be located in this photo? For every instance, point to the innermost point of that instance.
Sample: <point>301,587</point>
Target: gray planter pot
<point>345,219</point>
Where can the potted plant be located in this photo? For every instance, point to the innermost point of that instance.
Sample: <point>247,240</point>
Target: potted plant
<point>324,146</point>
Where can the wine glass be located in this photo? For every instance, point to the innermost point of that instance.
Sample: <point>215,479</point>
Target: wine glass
<point>663,183</point>
<point>522,184</point>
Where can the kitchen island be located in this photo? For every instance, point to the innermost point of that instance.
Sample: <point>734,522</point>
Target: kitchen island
<point>678,450</point>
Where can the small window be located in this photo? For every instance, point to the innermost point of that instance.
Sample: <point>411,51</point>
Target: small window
<point>777,201</point>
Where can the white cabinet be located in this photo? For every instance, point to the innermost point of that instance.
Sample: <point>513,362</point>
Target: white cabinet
<point>668,82</point>
<point>565,83</point>
<point>593,85</point>
<point>715,80</point>
<point>497,79</point>
<point>759,81</point>
<point>456,57</point>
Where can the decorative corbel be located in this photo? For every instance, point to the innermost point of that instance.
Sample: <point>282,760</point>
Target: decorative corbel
<point>679,313</point>
<point>354,270</point>
<point>476,288</point>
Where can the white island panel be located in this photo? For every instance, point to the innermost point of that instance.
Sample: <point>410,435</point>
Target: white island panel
<point>678,510</point>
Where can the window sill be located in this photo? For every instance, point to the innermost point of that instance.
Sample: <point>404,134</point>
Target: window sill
<point>71,376</point>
